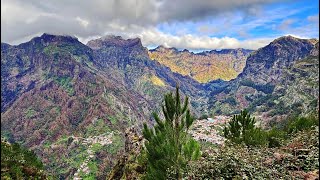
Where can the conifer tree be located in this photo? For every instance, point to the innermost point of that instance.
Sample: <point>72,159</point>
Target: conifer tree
<point>239,126</point>
<point>168,145</point>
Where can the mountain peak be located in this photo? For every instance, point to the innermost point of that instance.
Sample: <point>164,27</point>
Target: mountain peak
<point>267,62</point>
<point>294,40</point>
<point>46,37</point>
<point>112,40</point>
<point>163,48</point>
<point>5,46</point>
<point>159,48</point>
<point>185,50</point>
<point>286,38</point>
<point>289,45</point>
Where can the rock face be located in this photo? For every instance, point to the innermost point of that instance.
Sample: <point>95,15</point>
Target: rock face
<point>205,66</point>
<point>127,166</point>
<point>128,63</point>
<point>266,64</point>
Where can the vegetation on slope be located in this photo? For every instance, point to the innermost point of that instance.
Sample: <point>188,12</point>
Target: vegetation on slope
<point>20,163</point>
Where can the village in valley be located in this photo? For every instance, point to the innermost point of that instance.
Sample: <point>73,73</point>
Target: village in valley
<point>210,129</point>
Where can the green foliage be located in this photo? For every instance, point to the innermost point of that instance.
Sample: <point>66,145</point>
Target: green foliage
<point>97,128</point>
<point>275,137</point>
<point>117,144</point>
<point>256,137</point>
<point>65,83</point>
<point>30,113</point>
<point>96,147</point>
<point>239,126</point>
<point>294,123</point>
<point>113,120</point>
<point>19,163</point>
<point>241,129</point>
<point>93,167</point>
<point>168,146</point>
<point>302,123</point>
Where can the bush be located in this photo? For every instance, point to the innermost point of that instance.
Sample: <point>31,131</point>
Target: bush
<point>302,123</point>
<point>241,129</point>
<point>275,137</point>
<point>256,137</point>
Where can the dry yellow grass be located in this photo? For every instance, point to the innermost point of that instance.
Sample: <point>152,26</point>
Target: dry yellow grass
<point>157,81</point>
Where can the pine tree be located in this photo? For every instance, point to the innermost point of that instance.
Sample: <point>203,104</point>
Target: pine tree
<point>239,126</point>
<point>168,145</point>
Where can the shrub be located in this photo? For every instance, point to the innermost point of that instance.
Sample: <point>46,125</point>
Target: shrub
<point>275,137</point>
<point>241,129</point>
<point>242,162</point>
<point>302,123</point>
<point>256,137</point>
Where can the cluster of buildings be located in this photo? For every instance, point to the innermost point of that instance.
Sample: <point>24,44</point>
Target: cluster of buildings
<point>207,130</point>
<point>102,139</point>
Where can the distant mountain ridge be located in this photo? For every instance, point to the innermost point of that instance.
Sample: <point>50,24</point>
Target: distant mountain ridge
<point>204,66</point>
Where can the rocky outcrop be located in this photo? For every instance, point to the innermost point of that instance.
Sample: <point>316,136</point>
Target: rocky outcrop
<point>127,166</point>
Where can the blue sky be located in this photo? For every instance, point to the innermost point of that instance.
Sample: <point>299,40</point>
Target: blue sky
<point>184,24</point>
<point>272,20</point>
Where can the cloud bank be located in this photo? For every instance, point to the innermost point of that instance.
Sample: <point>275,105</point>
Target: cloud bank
<point>21,20</point>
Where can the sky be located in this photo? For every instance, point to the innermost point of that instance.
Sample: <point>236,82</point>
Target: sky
<point>184,24</point>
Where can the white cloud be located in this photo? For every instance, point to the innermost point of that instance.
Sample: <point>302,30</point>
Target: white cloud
<point>285,24</point>
<point>152,37</point>
<point>21,19</point>
<point>83,22</point>
<point>314,18</point>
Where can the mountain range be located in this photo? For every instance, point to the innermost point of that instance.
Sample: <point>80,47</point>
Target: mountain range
<point>59,96</point>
